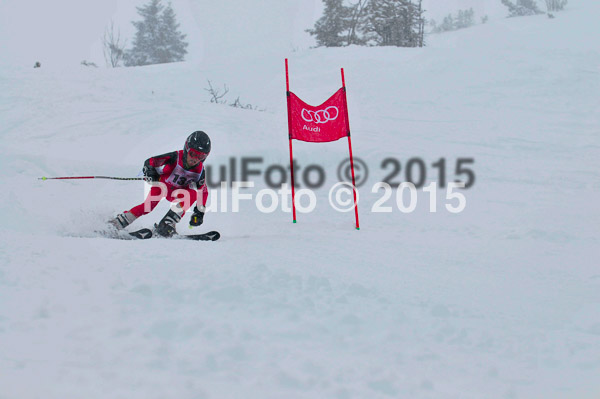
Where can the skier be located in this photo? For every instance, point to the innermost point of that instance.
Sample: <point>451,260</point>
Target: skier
<point>177,170</point>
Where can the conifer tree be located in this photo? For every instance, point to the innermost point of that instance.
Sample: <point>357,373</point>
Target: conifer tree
<point>330,30</point>
<point>172,46</point>
<point>157,38</point>
<point>370,22</point>
<point>395,23</point>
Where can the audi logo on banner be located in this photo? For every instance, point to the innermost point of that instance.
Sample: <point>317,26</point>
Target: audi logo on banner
<point>321,116</point>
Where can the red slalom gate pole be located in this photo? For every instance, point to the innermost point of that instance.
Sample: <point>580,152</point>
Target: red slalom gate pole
<point>350,150</point>
<point>287,88</point>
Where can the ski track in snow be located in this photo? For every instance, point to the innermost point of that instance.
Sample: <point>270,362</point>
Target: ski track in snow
<point>500,301</point>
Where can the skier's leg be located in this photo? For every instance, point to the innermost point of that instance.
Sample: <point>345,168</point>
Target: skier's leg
<point>157,192</point>
<point>122,220</point>
<point>166,226</point>
<point>181,200</point>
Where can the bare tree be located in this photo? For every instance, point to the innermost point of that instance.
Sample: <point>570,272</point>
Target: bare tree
<point>216,94</point>
<point>114,50</point>
<point>421,23</point>
<point>356,17</point>
<point>521,8</point>
<point>555,5</point>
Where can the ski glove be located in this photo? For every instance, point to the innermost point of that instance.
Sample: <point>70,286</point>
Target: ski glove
<point>150,174</point>
<point>197,218</point>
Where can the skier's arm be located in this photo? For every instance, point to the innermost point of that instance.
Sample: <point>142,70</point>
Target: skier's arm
<point>202,189</point>
<point>150,166</point>
<point>198,213</point>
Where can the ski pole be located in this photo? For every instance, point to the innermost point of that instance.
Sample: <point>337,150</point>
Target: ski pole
<point>90,177</point>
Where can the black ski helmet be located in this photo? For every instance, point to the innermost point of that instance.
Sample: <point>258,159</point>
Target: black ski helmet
<point>196,142</point>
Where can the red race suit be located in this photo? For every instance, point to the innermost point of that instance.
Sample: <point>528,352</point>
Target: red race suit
<point>174,177</point>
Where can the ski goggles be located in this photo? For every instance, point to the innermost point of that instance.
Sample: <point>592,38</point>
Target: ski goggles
<point>197,155</point>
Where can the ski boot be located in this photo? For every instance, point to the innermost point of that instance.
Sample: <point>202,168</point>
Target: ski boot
<point>122,220</point>
<point>166,227</point>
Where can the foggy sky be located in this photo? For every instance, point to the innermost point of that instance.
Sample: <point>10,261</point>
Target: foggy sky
<point>65,32</point>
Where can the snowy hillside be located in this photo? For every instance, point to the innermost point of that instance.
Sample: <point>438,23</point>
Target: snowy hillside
<point>501,300</point>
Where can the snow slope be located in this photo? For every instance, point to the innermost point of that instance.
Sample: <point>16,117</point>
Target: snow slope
<point>499,301</point>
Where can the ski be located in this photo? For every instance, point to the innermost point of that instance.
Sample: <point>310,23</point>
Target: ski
<point>210,236</point>
<point>144,234</point>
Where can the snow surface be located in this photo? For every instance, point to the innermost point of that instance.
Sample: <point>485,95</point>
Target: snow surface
<point>499,301</point>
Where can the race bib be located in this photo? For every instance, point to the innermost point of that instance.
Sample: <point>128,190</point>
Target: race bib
<point>182,178</point>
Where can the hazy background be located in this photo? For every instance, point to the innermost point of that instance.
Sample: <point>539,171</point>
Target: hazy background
<point>65,32</point>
